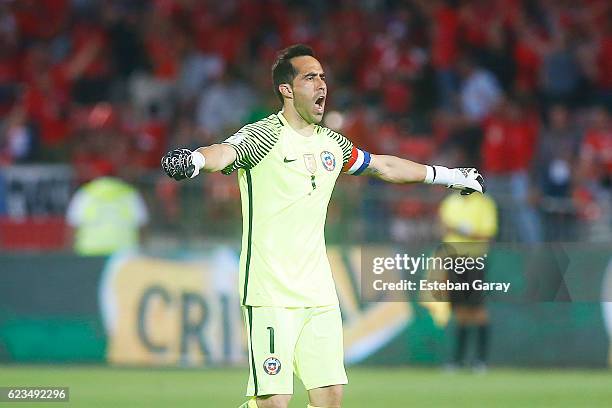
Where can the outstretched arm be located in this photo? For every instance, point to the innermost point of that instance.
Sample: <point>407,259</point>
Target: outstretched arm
<point>397,170</point>
<point>183,163</point>
<point>217,157</point>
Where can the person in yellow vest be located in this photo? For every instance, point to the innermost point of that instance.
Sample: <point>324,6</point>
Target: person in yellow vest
<point>106,214</point>
<point>470,223</point>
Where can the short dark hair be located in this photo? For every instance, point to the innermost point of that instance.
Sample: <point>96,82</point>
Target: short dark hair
<point>283,71</point>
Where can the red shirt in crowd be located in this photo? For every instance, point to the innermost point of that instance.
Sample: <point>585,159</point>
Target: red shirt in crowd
<point>46,101</point>
<point>476,18</point>
<point>508,145</point>
<point>41,18</point>
<point>10,71</point>
<point>90,38</point>
<point>444,43</point>
<point>89,166</point>
<point>150,143</point>
<point>597,145</point>
<point>527,66</point>
<point>604,63</point>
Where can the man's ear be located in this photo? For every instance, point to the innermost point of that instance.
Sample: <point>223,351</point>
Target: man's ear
<point>286,91</point>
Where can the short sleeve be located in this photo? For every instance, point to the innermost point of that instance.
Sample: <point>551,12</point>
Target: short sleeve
<point>252,143</point>
<point>244,145</point>
<point>354,159</point>
<point>345,144</point>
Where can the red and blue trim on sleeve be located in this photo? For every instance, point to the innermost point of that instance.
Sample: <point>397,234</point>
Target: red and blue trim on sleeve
<point>358,162</point>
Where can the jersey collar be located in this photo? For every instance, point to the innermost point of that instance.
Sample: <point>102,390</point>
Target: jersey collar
<point>283,120</point>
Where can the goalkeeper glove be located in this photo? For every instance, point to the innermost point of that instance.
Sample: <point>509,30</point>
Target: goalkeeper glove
<point>467,180</point>
<point>182,163</point>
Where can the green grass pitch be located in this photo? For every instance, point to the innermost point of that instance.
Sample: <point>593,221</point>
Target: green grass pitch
<point>97,386</point>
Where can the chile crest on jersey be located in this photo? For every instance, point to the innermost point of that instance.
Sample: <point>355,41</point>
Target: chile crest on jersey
<point>329,160</point>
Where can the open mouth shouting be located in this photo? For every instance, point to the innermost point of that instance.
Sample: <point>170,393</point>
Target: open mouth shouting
<point>319,105</point>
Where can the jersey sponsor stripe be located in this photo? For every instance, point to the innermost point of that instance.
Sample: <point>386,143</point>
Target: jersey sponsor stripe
<point>250,315</point>
<point>249,237</point>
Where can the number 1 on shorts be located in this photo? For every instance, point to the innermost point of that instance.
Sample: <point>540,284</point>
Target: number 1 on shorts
<point>271,330</point>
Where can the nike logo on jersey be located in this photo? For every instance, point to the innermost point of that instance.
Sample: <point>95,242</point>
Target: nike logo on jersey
<point>286,160</point>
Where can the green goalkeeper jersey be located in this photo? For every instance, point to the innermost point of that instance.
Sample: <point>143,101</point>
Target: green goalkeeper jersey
<point>286,181</point>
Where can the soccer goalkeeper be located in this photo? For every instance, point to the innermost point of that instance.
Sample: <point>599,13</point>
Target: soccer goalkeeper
<point>287,168</point>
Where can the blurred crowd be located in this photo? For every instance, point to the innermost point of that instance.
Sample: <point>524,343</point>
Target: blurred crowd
<point>521,89</point>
